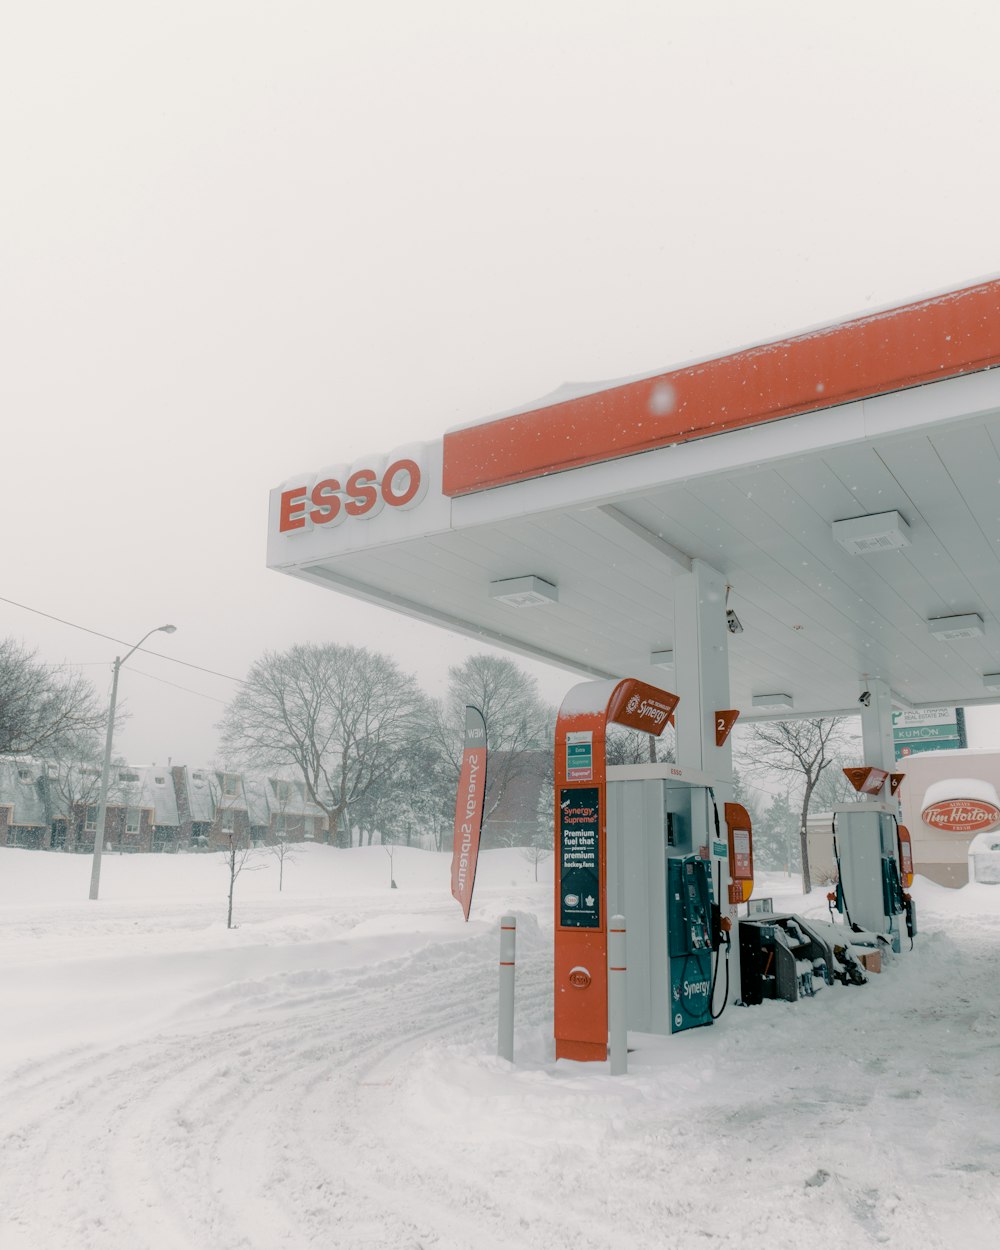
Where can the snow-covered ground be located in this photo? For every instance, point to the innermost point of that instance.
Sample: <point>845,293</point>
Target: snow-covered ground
<point>325,1076</point>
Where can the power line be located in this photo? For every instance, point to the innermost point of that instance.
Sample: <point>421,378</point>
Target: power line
<point>163,681</point>
<point>121,642</point>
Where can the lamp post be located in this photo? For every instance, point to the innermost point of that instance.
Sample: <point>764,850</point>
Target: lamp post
<point>102,807</point>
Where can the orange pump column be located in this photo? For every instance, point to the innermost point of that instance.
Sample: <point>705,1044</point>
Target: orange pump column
<point>581,921</point>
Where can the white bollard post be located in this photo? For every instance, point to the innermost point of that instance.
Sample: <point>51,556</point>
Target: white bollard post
<point>617,996</point>
<point>505,1035</point>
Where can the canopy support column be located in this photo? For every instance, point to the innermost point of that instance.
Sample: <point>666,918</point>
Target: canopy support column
<point>701,669</point>
<point>876,726</point>
<point>701,680</point>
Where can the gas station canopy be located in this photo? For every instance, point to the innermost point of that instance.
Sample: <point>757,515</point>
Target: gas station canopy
<point>844,482</point>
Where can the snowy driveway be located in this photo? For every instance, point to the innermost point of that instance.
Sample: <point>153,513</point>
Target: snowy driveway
<point>309,1083</point>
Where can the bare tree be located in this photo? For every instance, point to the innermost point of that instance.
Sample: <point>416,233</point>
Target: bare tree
<point>632,746</point>
<point>42,709</point>
<point>283,853</point>
<point>803,749</point>
<point>542,837</point>
<point>73,780</point>
<point>390,850</point>
<point>335,713</point>
<point>237,856</point>
<point>518,724</point>
<point>411,799</point>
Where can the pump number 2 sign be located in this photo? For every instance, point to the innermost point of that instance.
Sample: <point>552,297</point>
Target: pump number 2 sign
<point>579,865</point>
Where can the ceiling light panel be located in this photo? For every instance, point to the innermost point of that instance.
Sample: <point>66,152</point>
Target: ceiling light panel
<point>773,700</point>
<point>948,628</point>
<point>524,592</point>
<point>867,535</point>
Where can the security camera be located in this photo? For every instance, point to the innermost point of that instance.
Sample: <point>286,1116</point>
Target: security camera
<point>865,698</point>
<point>733,621</point>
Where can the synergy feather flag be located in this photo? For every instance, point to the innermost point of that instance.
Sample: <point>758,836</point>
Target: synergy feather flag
<point>469,809</point>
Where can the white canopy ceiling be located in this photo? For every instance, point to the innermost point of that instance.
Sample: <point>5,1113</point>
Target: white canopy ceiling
<point>756,503</point>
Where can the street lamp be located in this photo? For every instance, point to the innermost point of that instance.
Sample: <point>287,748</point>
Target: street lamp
<point>102,808</point>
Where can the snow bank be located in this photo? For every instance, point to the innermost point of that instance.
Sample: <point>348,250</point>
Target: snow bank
<point>326,1075</point>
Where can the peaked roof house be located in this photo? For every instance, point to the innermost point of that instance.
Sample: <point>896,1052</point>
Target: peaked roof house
<point>292,815</point>
<point>150,790</point>
<point>55,805</point>
<point>24,819</point>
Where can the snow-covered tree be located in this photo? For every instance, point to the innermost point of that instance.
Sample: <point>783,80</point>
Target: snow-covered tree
<point>518,724</point>
<point>801,751</point>
<point>336,714</point>
<point>44,711</point>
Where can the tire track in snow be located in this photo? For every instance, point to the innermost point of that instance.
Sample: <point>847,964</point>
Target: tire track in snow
<point>249,1129</point>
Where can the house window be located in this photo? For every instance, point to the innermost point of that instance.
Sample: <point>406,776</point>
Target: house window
<point>132,819</point>
<point>228,820</point>
<point>90,822</point>
<point>283,790</point>
<point>231,785</point>
<point>24,774</point>
<point>160,781</point>
<point>279,823</point>
<point>128,776</point>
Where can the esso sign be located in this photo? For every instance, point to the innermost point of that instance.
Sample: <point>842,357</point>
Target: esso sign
<point>358,492</point>
<point>961,816</point>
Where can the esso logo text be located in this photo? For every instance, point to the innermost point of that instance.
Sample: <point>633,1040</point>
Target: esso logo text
<point>343,493</point>
<point>962,816</point>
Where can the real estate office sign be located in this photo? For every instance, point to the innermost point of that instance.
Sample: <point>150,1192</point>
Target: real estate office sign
<point>928,729</point>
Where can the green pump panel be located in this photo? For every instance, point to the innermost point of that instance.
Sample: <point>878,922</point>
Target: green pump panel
<point>689,928</point>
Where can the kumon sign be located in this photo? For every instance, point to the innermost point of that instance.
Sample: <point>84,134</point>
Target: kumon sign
<point>962,816</point>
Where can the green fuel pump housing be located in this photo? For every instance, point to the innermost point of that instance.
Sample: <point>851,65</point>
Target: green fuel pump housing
<point>689,927</point>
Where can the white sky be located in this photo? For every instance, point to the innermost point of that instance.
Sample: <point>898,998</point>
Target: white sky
<point>240,240</point>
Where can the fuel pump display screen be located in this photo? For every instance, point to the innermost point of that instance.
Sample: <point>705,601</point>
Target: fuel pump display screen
<point>579,870</point>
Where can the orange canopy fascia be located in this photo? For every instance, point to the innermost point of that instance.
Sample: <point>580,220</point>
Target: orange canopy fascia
<point>939,337</point>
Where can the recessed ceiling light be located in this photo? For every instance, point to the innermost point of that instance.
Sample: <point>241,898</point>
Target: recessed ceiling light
<point>992,682</point>
<point>866,535</point>
<point>772,700</point>
<point>661,659</point>
<point>524,592</point>
<point>949,627</point>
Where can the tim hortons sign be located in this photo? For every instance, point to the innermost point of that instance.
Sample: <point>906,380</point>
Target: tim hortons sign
<point>353,492</point>
<point>962,816</point>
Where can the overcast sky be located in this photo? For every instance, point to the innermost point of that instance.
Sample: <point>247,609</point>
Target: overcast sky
<point>241,240</point>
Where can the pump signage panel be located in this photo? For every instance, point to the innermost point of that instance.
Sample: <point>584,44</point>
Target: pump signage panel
<point>580,756</point>
<point>640,706</point>
<point>579,848</point>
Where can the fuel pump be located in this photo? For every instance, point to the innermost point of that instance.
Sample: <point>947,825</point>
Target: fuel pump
<point>869,891</point>
<point>668,870</point>
<point>905,848</point>
<point>690,941</point>
<point>643,841</point>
